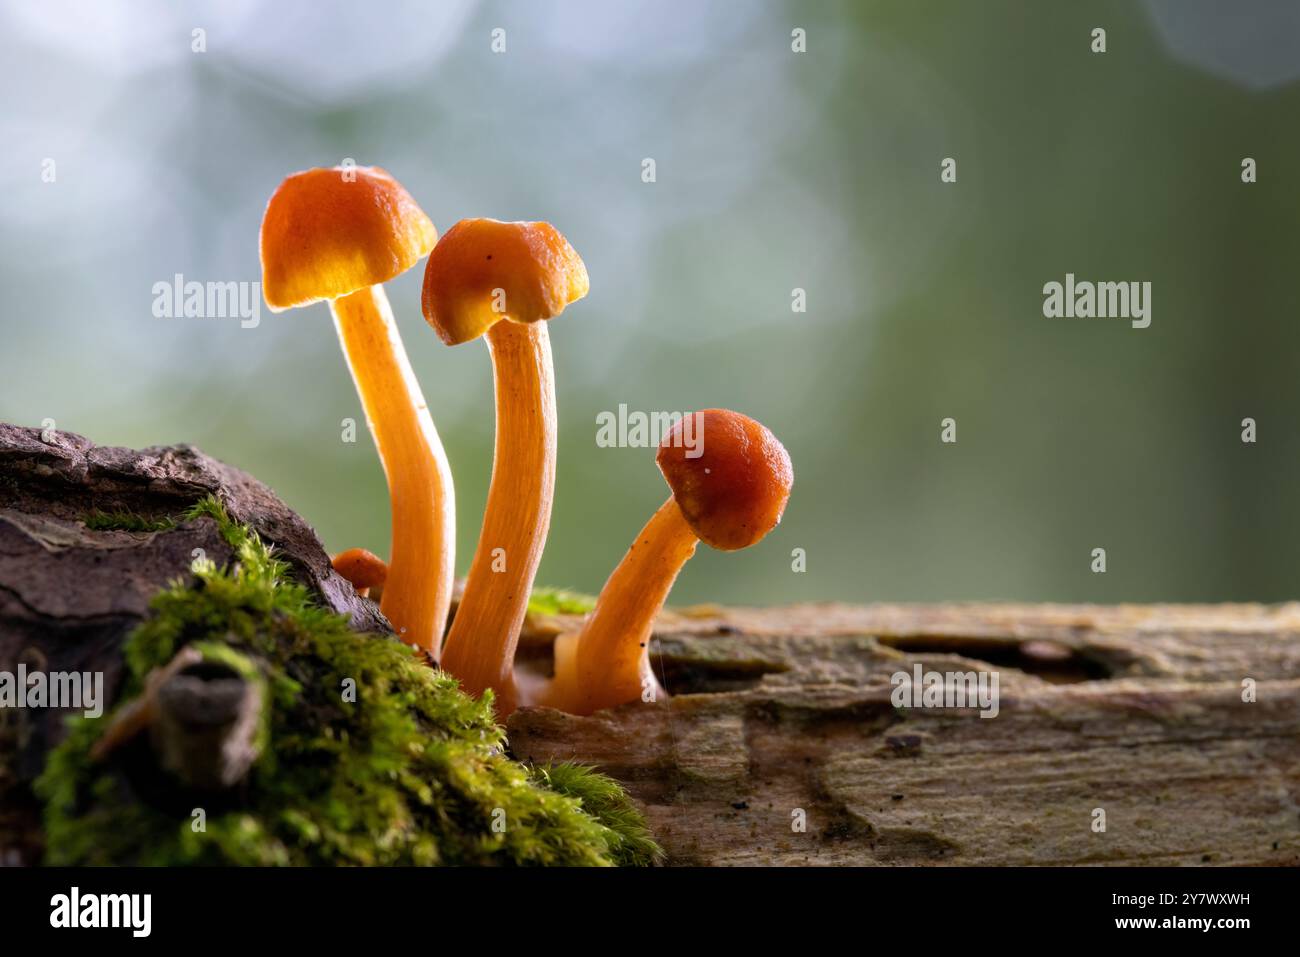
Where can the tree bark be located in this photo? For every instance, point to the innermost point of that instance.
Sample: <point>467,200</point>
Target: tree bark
<point>780,743</point>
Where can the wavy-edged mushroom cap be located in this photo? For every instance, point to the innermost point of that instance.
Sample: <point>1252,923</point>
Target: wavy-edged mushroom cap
<point>733,492</point>
<point>329,232</point>
<point>364,569</point>
<point>532,264</point>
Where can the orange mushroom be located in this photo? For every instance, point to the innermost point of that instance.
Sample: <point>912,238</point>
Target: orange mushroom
<point>337,234</point>
<point>481,273</point>
<point>363,569</point>
<point>729,489</point>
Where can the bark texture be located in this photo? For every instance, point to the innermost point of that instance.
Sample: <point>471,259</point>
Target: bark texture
<point>786,713</point>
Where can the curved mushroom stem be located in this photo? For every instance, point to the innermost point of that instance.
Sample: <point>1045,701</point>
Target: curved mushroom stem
<point>417,593</point>
<point>480,647</point>
<point>610,662</point>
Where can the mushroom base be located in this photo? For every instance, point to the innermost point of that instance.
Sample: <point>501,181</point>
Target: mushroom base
<point>609,663</point>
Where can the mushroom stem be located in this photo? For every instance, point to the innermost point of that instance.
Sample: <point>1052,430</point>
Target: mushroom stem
<point>480,646</point>
<point>417,593</point>
<point>610,663</point>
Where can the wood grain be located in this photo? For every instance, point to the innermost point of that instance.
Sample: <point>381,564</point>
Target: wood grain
<point>1135,710</point>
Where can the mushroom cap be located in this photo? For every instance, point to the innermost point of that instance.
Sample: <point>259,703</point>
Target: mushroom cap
<point>531,263</point>
<point>364,569</point>
<point>734,490</point>
<point>325,236</point>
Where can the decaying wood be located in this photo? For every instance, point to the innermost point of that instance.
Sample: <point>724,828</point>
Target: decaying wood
<point>141,714</point>
<point>776,714</point>
<point>202,720</point>
<point>206,732</point>
<point>1134,710</point>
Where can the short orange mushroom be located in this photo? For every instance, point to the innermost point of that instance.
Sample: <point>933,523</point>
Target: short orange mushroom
<point>729,489</point>
<point>363,569</point>
<point>337,234</point>
<point>500,280</point>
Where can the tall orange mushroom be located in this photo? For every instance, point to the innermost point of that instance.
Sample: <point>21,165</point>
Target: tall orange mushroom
<point>337,234</point>
<point>501,280</point>
<point>729,489</point>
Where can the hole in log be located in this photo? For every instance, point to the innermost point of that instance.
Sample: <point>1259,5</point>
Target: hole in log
<point>1050,660</point>
<point>209,671</point>
<point>681,676</point>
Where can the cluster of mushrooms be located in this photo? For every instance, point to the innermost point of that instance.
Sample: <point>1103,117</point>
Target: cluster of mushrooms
<point>338,235</point>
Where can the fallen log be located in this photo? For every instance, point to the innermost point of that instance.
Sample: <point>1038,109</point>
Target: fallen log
<point>1122,735</point>
<point>1174,728</point>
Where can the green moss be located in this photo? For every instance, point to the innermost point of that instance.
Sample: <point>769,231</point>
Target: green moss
<point>210,506</point>
<point>559,601</point>
<point>605,799</point>
<point>123,521</point>
<point>373,757</point>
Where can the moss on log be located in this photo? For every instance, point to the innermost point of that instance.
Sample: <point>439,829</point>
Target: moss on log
<point>286,724</point>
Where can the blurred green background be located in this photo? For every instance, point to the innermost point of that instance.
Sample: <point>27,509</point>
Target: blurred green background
<point>775,170</point>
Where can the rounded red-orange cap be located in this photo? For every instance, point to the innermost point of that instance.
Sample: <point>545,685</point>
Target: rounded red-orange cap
<point>364,569</point>
<point>329,232</point>
<point>484,270</point>
<point>729,475</point>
